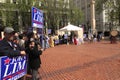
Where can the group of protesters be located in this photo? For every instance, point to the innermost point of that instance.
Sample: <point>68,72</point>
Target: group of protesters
<point>14,44</point>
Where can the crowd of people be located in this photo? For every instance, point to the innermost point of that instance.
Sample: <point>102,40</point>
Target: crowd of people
<point>14,44</point>
<point>33,44</point>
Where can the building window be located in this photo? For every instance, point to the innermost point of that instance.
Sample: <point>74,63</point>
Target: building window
<point>14,1</point>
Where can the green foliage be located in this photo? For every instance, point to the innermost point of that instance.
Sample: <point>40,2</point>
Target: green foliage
<point>56,13</point>
<point>112,8</point>
<point>99,5</point>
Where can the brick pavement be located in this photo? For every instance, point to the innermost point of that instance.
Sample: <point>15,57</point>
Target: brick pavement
<point>96,61</point>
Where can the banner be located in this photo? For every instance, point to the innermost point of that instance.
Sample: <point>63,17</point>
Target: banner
<point>49,31</point>
<point>12,68</point>
<point>37,18</point>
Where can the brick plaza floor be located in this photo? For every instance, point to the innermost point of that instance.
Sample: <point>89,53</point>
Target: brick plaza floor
<point>89,61</point>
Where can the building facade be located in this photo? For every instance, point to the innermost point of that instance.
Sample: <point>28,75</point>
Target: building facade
<point>100,18</point>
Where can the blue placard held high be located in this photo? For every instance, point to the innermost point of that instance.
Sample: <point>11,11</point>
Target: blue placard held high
<point>37,18</point>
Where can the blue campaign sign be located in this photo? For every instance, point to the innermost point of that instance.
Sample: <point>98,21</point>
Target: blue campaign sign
<point>37,18</point>
<point>12,68</point>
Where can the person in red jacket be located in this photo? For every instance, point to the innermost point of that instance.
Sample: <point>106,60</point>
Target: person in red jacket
<point>75,40</point>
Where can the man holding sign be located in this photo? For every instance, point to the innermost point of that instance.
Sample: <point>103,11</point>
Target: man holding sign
<point>12,50</point>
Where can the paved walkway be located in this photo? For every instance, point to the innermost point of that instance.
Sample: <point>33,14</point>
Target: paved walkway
<point>96,61</point>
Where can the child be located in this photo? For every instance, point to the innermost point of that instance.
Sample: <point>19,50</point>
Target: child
<point>34,51</point>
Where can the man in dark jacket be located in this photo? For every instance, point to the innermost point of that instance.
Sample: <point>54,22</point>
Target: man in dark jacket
<point>8,47</point>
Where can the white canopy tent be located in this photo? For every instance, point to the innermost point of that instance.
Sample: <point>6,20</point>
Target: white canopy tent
<point>70,28</point>
<point>77,30</point>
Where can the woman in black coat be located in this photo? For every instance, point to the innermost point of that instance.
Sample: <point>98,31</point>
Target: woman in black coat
<point>34,51</point>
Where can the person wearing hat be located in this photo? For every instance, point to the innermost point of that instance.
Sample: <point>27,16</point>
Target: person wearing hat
<point>8,47</point>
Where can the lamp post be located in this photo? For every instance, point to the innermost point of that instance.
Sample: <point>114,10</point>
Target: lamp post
<point>93,22</point>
